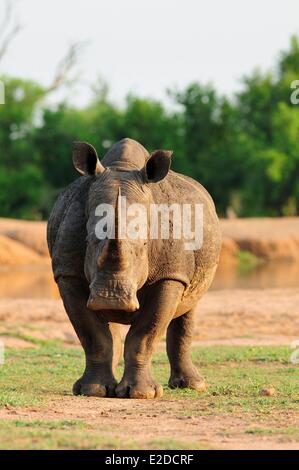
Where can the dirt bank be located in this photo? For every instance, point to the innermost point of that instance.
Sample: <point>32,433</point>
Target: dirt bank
<point>14,253</point>
<point>272,239</point>
<point>31,234</point>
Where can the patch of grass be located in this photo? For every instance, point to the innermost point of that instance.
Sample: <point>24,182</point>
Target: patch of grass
<point>67,434</point>
<point>247,261</point>
<point>54,435</point>
<point>290,432</point>
<point>57,424</point>
<point>18,335</point>
<point>172,444</point>
<point>236,376</point>
<point>35,377</point>
<point>204,356</point>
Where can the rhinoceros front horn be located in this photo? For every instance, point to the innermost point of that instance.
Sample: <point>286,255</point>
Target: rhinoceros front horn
<point>85,159</point>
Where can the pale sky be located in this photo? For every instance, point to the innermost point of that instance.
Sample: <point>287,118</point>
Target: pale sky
<point>146,46</point>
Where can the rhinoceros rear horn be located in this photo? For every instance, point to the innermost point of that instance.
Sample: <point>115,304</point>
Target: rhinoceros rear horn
<point>157,166</point>
<point>85,159</point>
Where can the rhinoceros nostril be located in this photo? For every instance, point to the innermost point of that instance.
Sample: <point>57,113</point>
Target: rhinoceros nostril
<point>90,302</point>
<point>106,299</point>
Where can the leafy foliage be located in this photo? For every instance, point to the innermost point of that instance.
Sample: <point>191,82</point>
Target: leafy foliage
<point>244,149</point>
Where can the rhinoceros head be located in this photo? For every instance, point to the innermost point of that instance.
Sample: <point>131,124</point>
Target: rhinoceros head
<point>116,266</point>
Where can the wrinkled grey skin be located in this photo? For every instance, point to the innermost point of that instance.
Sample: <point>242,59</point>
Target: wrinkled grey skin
<point>152,285</point>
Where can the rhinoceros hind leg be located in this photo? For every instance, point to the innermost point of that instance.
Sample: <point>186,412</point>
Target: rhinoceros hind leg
<point>183,372</point>
<point>140,386</point>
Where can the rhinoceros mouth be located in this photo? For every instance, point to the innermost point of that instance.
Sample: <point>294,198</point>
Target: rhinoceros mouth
<point>114,295</point>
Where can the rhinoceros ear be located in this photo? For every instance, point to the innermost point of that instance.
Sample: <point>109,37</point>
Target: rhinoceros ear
<point>157,166</point>
<point>85,159</point>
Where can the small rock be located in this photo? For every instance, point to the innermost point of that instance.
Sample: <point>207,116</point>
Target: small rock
<point>268,391</point>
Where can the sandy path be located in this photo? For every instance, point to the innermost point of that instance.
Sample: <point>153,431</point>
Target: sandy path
<point>269,316</point>
<point>117,418</point>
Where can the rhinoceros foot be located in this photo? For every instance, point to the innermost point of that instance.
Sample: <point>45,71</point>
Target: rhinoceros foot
<point>95,382</point>
<point>141,386</point>
<point>188,380</point>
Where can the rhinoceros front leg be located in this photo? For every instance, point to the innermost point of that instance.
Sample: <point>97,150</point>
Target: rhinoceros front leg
<point>157,310</point>
<point>179,337</point>
<point>96,339</point>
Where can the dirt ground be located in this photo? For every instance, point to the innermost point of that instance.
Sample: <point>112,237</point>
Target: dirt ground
<point>231,316</point>
<point>164,419</point>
